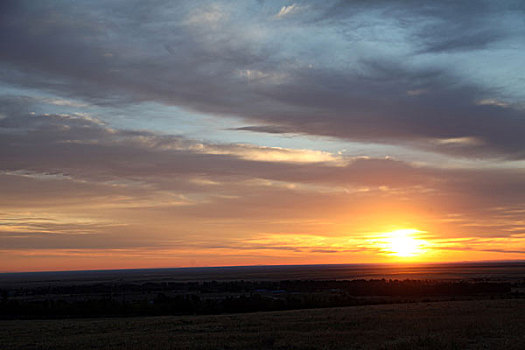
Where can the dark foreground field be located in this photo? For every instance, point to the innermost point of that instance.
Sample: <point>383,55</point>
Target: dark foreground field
<point>479,324</point>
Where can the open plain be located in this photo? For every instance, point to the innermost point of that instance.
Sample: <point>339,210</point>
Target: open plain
<point>475,324</point>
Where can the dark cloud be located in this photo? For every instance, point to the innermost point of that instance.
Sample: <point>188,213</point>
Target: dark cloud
<point>80,147</point>
<point>199,57</point>
<point>91,160</point>
<point>270,129</point>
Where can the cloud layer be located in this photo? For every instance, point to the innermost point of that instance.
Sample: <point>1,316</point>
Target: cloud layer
<point>376,72</point>
<point>441,82</point>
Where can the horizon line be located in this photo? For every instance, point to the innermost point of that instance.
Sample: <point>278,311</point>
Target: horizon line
<point>398,263</point>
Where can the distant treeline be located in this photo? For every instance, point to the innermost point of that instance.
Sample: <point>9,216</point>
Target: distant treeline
<point>212,297</point>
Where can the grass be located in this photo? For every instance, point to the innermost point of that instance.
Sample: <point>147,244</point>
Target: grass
<point>486,324</point>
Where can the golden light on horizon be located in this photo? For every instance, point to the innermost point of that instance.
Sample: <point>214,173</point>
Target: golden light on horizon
<point>403,243</point>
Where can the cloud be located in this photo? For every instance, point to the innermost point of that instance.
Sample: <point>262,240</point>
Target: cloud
<point>287,10</point>
<point>492,102</point>
<point>433,78</point>
<point>80,157</point>
<point>274,154</point>
<point>109,154</point>
<point>319,78</point>
<point>62,102</point>
<point>461,141</point>
<point>270,129</point>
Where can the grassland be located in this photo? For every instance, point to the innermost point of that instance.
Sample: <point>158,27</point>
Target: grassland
<point>485,324</point>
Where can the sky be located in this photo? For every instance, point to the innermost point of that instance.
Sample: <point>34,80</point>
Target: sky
<point>144,134</point>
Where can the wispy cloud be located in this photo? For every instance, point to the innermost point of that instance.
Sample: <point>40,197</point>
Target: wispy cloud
<point>287,10</point>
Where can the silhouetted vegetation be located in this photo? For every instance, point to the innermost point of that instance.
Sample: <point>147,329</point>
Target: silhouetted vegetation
<point>213,297</point>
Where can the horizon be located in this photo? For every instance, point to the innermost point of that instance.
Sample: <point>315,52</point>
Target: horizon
<point>260,133</point>
<point>390,264</point>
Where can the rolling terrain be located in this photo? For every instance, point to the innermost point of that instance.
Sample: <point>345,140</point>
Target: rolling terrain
<point>485,324</point>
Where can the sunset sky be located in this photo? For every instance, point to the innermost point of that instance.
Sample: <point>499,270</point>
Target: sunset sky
<point>138,134</point>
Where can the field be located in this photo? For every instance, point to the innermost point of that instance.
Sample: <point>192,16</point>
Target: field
<point>475,324</point>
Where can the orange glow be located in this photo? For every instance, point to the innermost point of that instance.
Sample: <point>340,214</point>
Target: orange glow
<point>403,243</point>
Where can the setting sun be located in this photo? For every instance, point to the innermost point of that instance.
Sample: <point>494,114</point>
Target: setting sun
<point>403,243</point>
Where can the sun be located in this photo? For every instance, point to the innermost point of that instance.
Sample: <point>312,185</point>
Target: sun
<point>404,243</point>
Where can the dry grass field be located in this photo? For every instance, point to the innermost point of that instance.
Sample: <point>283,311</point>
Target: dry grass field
<point>487,324</point>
